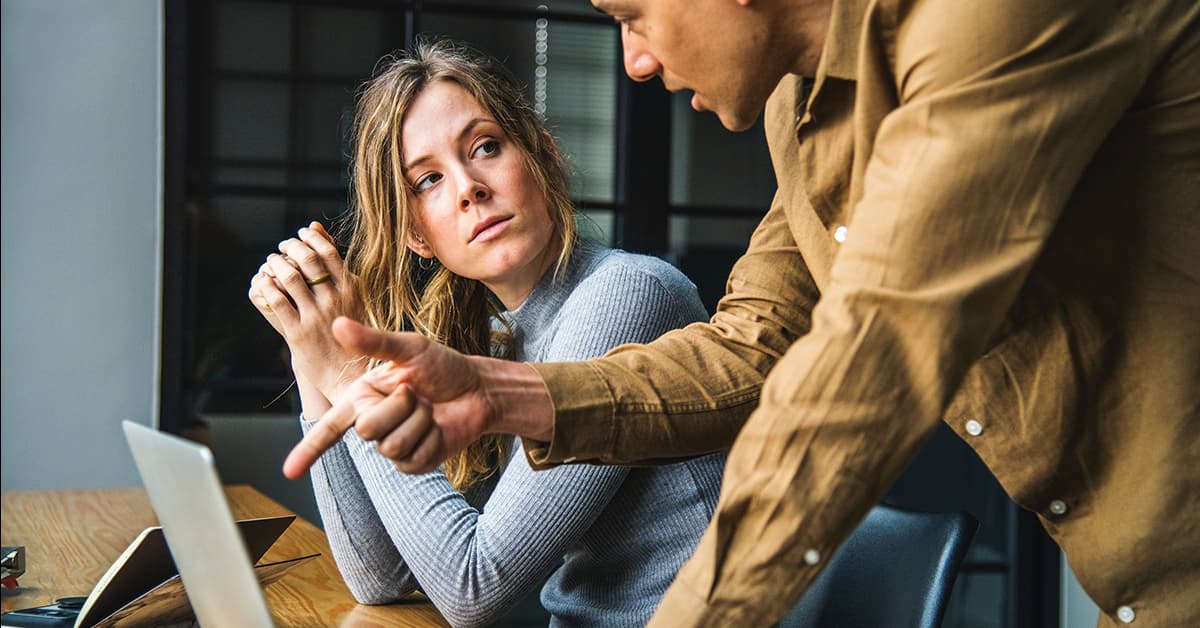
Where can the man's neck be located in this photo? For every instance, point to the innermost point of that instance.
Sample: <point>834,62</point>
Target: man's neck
<point>807,25</point>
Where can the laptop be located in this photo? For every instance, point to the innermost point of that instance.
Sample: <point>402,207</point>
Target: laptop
<point>208,550</point>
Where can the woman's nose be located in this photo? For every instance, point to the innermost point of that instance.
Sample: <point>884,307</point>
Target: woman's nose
<point>474,192</point>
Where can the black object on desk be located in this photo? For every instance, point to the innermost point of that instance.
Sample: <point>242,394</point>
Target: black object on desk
<point>61,613</point>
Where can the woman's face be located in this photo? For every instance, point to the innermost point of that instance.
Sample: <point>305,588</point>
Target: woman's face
<point>478,208</point>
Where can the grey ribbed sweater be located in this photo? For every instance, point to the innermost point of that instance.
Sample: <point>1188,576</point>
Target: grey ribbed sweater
<point>610,538</point>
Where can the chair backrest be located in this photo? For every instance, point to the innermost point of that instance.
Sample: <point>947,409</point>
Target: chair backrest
<point>896,569</point>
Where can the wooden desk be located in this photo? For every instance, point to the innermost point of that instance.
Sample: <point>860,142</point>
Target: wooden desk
<point>72,536</point>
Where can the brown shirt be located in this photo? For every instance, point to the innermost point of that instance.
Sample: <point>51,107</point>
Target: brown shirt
<point>988,213</point>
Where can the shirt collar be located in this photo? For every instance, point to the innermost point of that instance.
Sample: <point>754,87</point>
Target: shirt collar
<point>839,58</point>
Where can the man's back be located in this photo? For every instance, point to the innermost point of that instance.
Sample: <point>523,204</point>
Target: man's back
<point>1084,403</point>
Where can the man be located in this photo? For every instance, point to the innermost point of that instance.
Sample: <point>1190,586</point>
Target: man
<point>988,212</point>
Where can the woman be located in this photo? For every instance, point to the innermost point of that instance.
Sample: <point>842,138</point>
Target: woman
<point>463,231</point>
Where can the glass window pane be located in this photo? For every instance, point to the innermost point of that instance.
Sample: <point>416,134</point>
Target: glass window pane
<point>251,36</point>
<point>705,249</point>
<point>253,225</point>
<point>325,114</point>
<point>250,119</point>
<point>688,233</point>
<point>577,77</point>
<point>345,42</point>
<point>714,167</point>
<point>249,174</point>
<point>329,212</point>
<point>977,601</point>
<point>228,341</point>
<point>596,224</point>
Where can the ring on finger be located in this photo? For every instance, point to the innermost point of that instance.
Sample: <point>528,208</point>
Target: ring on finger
<point>318,280</point>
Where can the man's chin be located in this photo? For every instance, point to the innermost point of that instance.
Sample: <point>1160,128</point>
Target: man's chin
<point>736,121</point>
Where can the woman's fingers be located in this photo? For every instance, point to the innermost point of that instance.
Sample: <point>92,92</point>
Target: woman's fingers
<point>289,278</point>
<point>310,264</point>
<point>320,228</point>
<point>266,294</point>
<point>321,243</point>
<point>255,291</point>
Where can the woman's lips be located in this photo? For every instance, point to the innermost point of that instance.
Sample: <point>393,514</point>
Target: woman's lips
<point>492,230</point>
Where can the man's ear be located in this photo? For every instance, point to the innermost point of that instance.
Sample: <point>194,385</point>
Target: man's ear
<point>418,245</point>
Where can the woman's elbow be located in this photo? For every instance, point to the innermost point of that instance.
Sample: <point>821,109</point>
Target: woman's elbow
<point>470,610</point>
<point>373,593</point>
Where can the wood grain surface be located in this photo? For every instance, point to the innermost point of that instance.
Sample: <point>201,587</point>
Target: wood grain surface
<point>72,536</point>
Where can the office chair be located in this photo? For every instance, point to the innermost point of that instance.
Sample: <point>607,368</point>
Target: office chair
<point>895,570</point>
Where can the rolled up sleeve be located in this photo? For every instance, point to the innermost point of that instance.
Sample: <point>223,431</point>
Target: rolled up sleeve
<point>688,392</point>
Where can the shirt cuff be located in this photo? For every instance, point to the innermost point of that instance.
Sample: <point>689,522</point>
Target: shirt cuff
<point>683,607</point>
<point>583,415</point>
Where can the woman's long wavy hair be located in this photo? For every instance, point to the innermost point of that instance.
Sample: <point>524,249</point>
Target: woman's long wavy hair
<point>397,294</point>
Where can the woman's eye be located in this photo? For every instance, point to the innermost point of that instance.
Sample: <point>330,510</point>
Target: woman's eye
<point>427,181</point>
<point>490,147</point>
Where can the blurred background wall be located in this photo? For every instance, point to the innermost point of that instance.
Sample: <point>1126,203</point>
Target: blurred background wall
<point>81,213</point>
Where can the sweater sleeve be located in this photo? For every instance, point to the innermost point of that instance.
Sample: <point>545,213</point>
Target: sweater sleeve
<point>369,563</point>
<point>474,563</point>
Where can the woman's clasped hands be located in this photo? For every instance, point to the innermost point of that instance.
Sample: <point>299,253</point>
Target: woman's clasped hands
<point>300,291</point>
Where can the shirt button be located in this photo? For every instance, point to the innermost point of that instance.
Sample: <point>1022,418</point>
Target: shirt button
<point>1058,507</point>
<point>974,428</point>
<point>812,557</point>
<point>839,234</point>
<point>1126,614</point>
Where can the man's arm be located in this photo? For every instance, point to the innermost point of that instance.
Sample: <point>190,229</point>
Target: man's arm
<point>1001,107</point>
<point>426,403</point>
<point>688,392</point>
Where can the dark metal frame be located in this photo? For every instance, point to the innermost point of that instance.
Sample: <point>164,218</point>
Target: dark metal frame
<point>171,349</point>
<point>643,165</point>
<point>1033,577</point>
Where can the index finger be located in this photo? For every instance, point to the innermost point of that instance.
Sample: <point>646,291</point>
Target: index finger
<point>323,247</point>
<point>324,434</point>
<point>320,228</point>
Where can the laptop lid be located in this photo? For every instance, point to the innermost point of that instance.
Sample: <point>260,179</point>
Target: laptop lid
<point>186,493</point>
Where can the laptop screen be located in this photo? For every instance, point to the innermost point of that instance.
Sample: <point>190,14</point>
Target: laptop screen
<point>186,493</point>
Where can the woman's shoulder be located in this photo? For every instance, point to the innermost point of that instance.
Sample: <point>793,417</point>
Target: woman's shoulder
<point>633,286</point>
<point>608,298</point>
<point>617,271</point>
